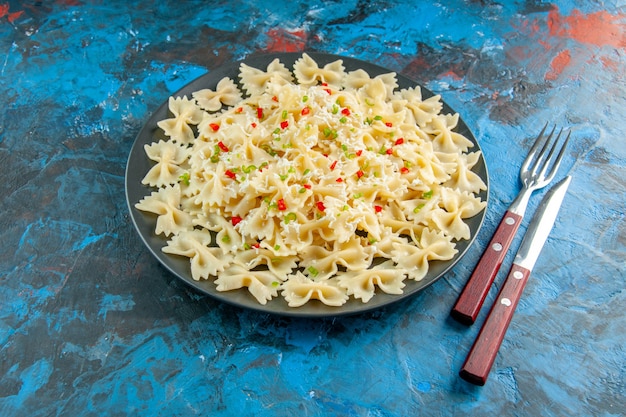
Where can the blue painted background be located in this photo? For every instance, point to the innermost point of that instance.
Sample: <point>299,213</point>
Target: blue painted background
<point>90,324</point>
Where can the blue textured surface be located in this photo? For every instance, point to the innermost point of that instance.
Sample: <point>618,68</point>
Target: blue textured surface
<point>90,324</point>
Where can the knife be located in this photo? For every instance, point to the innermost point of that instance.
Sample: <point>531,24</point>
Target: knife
<point>483,353</point>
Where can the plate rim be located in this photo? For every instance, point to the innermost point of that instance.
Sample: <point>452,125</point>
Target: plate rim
<point>241,297</point>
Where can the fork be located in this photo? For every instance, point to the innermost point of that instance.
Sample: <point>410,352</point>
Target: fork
<point>534,174</point>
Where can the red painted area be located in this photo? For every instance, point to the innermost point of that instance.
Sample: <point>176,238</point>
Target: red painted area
<point>286,41</point>
<point>11,17</point>
<point>558,64</point>
<point>599,29</point>
<point>609,63</point>
<point>452,75</point>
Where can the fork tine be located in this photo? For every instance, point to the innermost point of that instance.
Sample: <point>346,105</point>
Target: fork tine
<point>533,149</point>
<point>557,162</point>
<point>536,163</point>
<point>546,163</point>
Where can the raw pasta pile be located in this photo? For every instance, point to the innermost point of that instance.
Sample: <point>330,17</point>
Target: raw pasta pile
<point>311,184</point>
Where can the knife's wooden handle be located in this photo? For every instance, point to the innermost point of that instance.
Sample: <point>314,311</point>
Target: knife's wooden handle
<point>483,353</point>
<point>473,295</point>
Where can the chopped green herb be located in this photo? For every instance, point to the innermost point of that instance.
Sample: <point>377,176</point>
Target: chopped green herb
<point>248,169</point>
<point>313,271</point>
<point>184,178</point>
<point>290,217</point>
<point>418,208</point>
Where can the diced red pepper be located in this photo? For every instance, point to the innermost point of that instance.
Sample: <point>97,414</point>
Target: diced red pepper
<point>230,174</point>
<point>239,110</point>
<point>328,91</point>
<point>275,99</point>
<point>345,111</point>
<point>235,220</point>
<point>389,151</point>
<point>284,124</point>
<point>388,124</point>
<point>399,141</point>
<point>359,152</point>
<point>307,186</point>
<point>259,113</point>
<point>360,173</point>
<point>281,205</point>
<point>404,170</point>
<point>222,147</point>
<point>214,126</point>
<point>305,110</point>
<point>253,125</point>
<point>256,245</point>
<point>378,209</point>
<point>321,206</point>
<point>333,165</point>
<point>339,179</point>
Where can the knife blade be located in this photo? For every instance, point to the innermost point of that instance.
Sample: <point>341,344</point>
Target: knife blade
<point>485,348</point>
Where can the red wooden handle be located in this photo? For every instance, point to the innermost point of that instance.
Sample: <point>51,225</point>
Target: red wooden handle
<point>473,295</point>
<point>483,353</point>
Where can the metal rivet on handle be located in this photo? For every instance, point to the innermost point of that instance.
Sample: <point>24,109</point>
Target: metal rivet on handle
<point>510,221</point>
<point>497,247</point>
<point>518,275</point>
<point>506,302</point>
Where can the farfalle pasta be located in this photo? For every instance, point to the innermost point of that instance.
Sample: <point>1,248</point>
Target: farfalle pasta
<point>315,185</point>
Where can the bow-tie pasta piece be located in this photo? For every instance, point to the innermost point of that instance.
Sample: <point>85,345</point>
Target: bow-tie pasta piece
<point>226,93</point>
<point>456,206</point>
<point>463,178</point>
<point>185,113</point>
<point>423,111</point>
<point>445,139</point>
<point>169,157</point>
<point>165,203</point>
<point>308,72</point>
<point>414,259</point>
<point>362,284</point>
<point>263,285</point>
<point>321,263</point>
<point>206,261</point>
<point>253,258</point>
<point>299,290</point>
<point>254,80</point>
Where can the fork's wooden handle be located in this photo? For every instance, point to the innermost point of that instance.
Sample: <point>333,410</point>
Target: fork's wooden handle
<point>473,295</point>
<point>483,353</point>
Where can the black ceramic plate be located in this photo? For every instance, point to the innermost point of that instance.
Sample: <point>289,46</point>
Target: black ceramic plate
<point>138,165</point>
